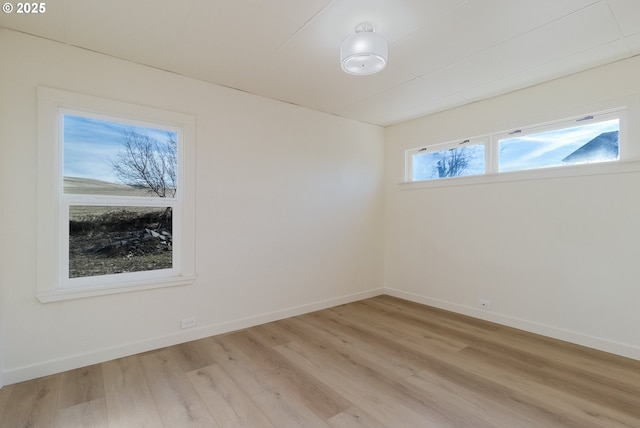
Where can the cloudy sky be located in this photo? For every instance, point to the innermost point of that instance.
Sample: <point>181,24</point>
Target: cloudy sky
<point>91,145</point>
<point>547,149</point>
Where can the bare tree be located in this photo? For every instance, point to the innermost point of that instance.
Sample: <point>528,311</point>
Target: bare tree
<point>148,163</point>
<point>454,162</point>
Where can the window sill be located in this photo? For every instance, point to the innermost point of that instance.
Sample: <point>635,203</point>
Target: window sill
<point>81,293</point>
<point>608,168</point>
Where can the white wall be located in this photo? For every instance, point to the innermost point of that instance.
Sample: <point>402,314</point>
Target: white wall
<point>555,256</point>
<point>288,217</point>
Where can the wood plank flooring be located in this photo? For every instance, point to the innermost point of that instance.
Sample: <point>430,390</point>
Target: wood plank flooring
<point>380,362</point>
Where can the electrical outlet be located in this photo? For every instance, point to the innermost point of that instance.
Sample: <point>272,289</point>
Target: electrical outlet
<point>188,322</point>
<point>484,303</point>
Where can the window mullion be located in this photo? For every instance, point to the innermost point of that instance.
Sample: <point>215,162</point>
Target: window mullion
<point>492,155</point>
<point>100,200</point>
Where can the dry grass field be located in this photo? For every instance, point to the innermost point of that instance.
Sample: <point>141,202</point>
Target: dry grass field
<point>116,239</point>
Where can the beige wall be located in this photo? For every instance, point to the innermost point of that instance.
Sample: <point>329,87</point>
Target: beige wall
<point>556,256</point>
<point>288,216</point>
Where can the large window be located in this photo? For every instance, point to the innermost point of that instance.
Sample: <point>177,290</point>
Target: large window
<point>584,140</point>
<point>119,189</point>
<point>116,196</point>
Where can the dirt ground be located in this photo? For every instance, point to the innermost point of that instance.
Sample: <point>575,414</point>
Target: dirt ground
<point>109,240</point>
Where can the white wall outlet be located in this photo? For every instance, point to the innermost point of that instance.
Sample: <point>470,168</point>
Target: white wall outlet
<point>484,303</point>
<point>188,322</point>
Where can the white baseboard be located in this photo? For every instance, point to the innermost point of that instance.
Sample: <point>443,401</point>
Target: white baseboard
<point>94,357</point>
<point>75,361</point>
<point>617,348</point>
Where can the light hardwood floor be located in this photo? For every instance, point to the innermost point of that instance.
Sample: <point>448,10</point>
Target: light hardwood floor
<point>381,362</point>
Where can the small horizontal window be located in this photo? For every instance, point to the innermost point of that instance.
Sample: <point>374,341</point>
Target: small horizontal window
<point>462,160</point>
<point>588,139</point>
<point>564,145</point>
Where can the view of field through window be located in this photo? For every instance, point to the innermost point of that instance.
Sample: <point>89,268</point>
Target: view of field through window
<point>118,162</point>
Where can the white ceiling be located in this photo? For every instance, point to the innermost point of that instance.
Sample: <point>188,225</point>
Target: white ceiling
<point>442,53</point>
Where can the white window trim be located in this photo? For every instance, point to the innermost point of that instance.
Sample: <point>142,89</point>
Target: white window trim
<point>624,164</point>
<point>583,170</point>
<point>52,221</point>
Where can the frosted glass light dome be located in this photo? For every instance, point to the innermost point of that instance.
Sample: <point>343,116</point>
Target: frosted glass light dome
<point>365,52</point>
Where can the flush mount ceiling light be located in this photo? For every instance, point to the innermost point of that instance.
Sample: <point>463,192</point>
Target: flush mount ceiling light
<point>365,52</point>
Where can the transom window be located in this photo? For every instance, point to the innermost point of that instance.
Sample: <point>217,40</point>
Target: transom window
<point>448,160</point>
<point>588,139</point>
<point>585,140</point>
